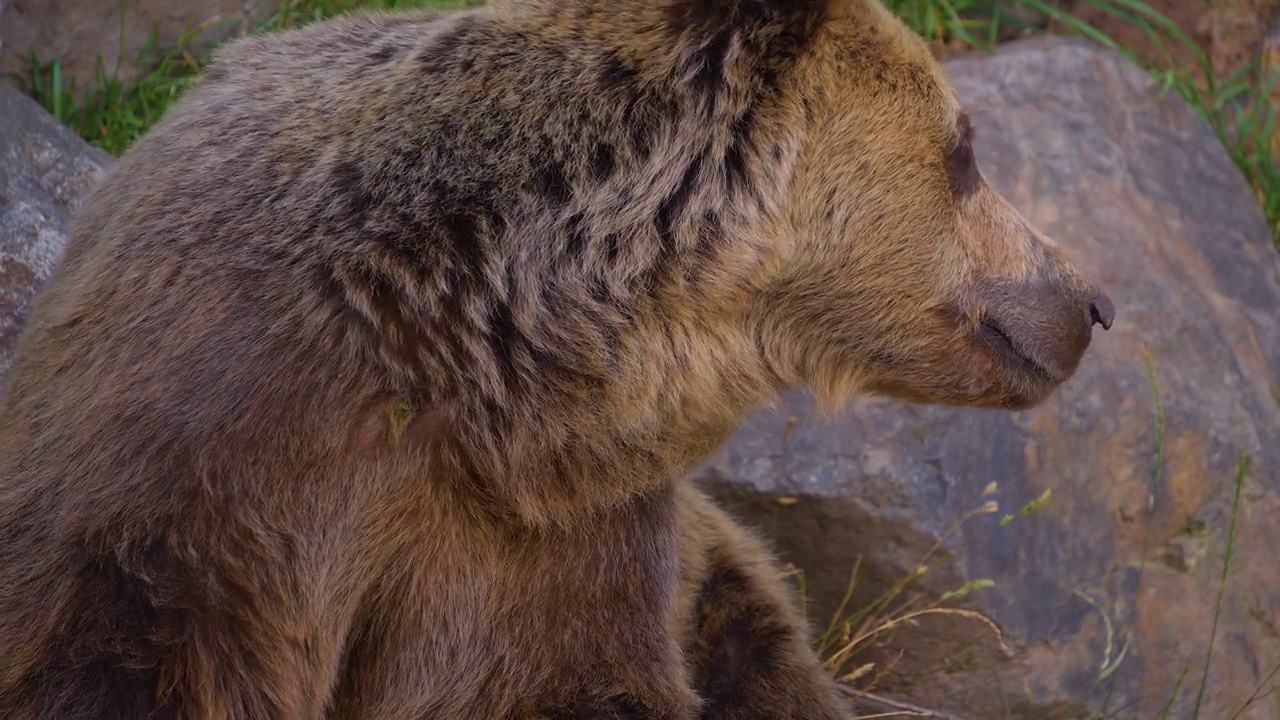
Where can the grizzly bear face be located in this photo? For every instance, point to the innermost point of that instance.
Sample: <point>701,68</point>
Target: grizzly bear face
<point>906,273</point>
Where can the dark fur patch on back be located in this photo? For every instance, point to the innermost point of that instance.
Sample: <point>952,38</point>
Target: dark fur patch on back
<point>645,114</point>
<point>710,236</point>
<point>672,210</point>
<point>736,157</point>
<point>505,340</point>
<point>709,61</point>
<point>348,184</point>
<point>450,242</point>
<point>603,162</point>
<point>746,14</point>
<point>768,32</point>
<point>616,74</point>
<point>576,241</point>
<point>444,54</point>
<point>384,54</point>
<point>551,182</point>
<point>385,299</point>
<point>612,248</point>
<point>468,252</point>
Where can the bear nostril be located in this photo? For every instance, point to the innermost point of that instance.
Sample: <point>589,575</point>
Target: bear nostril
<point>1102,311</point>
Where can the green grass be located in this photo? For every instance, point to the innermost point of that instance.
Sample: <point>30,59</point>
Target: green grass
<point>113,114</point>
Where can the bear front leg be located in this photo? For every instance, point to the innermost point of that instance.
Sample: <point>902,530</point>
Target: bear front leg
<point>607,590</point>
<point>747,644</point>
<point>503,621</point>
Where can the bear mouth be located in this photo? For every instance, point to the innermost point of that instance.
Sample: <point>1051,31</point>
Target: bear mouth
<point>996,338</point>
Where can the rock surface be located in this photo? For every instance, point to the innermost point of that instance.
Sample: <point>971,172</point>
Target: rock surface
<point>1144,198</point>
<point>1228,32</point>
<point>44,170</point>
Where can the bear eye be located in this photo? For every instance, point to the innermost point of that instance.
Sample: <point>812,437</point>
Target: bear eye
<point>962,169</point>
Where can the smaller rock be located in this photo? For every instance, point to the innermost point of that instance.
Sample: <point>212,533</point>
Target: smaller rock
<point>45,170</point>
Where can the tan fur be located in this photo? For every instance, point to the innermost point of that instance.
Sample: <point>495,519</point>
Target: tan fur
<point>367,380</point>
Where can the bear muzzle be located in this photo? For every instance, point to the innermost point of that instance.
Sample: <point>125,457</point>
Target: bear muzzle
<point>1102,311</point>
<point>1040,329</point>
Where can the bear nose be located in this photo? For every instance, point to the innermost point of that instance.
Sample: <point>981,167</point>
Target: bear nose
<point>1102,311</point>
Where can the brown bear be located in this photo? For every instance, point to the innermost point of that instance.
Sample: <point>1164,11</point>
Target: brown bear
<point>369,380</point>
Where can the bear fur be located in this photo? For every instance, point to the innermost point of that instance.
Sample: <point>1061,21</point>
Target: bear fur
<point>369,379</point>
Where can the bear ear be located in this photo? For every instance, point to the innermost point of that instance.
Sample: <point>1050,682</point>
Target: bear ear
<point>762,31</point>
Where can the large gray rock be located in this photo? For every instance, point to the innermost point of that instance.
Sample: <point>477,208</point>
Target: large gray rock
<point>44,170</point>
<point>1146,200</point>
